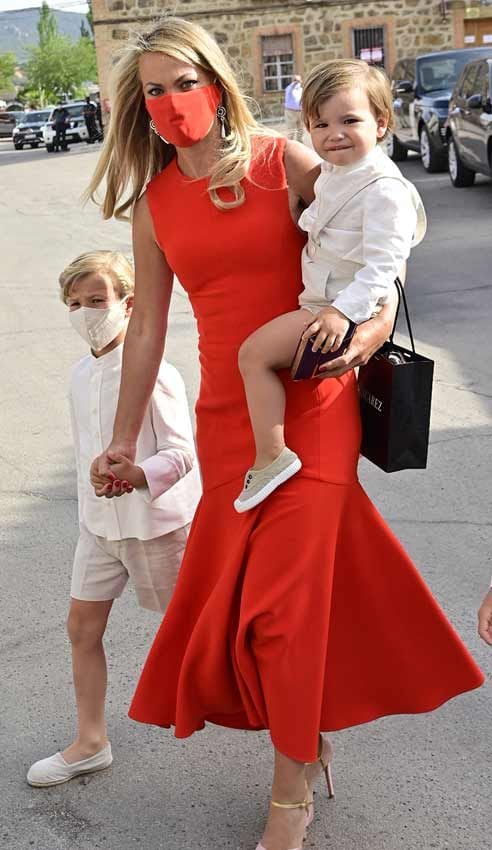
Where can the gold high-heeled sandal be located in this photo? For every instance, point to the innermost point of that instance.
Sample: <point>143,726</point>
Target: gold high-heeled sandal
<point>326,768</point>
<point>304,805</point>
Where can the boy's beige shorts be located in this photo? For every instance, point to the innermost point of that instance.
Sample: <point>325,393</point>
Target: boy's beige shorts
<point>102,567</point>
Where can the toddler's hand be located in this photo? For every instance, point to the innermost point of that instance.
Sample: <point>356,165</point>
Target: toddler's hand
<point>330,327</point>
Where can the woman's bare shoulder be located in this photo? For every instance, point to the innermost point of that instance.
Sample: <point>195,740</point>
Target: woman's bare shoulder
<point>302,166</point>
<point>142,216</point>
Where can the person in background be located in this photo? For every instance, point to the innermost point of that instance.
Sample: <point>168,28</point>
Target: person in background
<point>99,118</point>
<point>142,537</point>
<point>293,110</point>
<point>60,121</point>
<point>90,111</point>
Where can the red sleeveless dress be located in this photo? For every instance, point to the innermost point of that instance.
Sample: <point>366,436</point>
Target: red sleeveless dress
<point>304,613</point>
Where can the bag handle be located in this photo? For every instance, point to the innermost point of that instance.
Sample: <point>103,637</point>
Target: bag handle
<point>402,297</point>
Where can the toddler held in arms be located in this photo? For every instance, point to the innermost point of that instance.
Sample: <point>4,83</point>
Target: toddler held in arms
<point>361,226</point>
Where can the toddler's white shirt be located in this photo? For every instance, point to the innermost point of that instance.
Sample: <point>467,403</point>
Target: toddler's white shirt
<point>351,262</point>
<point>165,452</point>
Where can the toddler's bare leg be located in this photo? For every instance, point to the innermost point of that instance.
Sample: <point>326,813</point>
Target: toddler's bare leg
<point>268,349</point>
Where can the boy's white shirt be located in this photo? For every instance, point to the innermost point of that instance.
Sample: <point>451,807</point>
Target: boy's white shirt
<point>352,262</point>
<point>165,452</point>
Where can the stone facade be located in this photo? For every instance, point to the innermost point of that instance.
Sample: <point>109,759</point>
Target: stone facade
<point>316,30</point>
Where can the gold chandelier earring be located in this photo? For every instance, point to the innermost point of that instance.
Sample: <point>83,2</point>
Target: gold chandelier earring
<point>156,131</point>
<point>221,117</point>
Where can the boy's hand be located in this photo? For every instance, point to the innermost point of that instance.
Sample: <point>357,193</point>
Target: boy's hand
<point>485,619</point>
<point>102,476</point>
<point>122,478</point>
<point>330,325</point>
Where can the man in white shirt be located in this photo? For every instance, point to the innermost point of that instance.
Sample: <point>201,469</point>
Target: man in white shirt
<point>293,110</point>
<point>141,536</point>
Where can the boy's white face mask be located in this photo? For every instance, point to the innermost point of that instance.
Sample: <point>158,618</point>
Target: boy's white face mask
<point>99,327</point>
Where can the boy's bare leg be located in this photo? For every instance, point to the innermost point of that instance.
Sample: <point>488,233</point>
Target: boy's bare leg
<point>86,626</point>
<point>268,349</point>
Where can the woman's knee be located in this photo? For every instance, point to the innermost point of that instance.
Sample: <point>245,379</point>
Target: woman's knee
<point>86,622</point>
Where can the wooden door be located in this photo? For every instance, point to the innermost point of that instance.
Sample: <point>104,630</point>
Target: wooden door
<point>478,32</point>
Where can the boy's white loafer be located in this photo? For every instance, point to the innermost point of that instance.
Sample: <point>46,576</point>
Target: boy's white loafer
<point>55,770</point>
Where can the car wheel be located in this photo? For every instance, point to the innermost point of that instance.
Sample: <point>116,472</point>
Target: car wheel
<point>18,147</point>
<point>33,147</point>
<point>395,150</point>
<point>49,148</point>
<point>431,160</point>
<point>460,175</point>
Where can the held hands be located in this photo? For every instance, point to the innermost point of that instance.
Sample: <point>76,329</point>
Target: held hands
<point>113,473</point>
<point>485,619</point>
<point>330,327</point>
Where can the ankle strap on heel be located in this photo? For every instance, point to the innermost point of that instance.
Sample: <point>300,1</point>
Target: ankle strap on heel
<point>306,803</point>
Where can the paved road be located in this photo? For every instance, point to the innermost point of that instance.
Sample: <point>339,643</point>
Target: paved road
<point>402,782</point>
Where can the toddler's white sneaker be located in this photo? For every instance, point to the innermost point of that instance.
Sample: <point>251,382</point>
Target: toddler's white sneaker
<point>55,770</point>
<point>259,483</point>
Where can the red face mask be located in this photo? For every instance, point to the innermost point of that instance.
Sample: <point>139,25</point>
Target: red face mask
<point>187,117</point>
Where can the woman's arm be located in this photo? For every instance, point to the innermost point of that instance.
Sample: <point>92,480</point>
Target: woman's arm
<point>144,341</point>
<point>302,168</point>
<point>368,338</point>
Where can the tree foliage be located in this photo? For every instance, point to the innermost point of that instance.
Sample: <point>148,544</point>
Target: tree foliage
<point>47,25</point>
<point>90,18</point>
<point>84,32</point>
<point>59,66</point>
<point>7,69</point>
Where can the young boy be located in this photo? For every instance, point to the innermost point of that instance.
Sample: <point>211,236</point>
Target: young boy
<point>141,536</point>
<point>361,227</point>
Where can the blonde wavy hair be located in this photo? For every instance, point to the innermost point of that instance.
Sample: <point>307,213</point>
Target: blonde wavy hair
<point>133,154</point>
<point>330,77</point>
<point>114,263</point>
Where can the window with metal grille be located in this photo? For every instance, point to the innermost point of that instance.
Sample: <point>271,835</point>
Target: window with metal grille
<point>277,53</point>
<point>368,44</point>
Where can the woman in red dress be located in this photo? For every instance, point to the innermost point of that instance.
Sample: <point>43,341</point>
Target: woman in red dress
<point>305,614</point>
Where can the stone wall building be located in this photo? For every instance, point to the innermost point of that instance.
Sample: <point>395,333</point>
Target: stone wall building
<point>269,40</point>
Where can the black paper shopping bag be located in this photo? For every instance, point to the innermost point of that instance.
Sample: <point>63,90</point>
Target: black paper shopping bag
<point>395,389</point>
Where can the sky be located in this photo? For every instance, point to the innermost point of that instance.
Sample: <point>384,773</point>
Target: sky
<point>66,5</point>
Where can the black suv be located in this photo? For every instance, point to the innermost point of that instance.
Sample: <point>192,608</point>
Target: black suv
<point>8,121</point>
<point>422,89</point>
<point>469,126</point>
<point>29,130</point>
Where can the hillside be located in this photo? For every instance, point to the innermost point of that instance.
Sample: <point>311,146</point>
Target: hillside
<point>18,29</point>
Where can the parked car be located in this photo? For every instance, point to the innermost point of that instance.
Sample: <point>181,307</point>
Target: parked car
<point>422,89</point>
<point>76,129</point>
<point>29,130</point>
<point>469,125</point>
<point>8,121</point>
